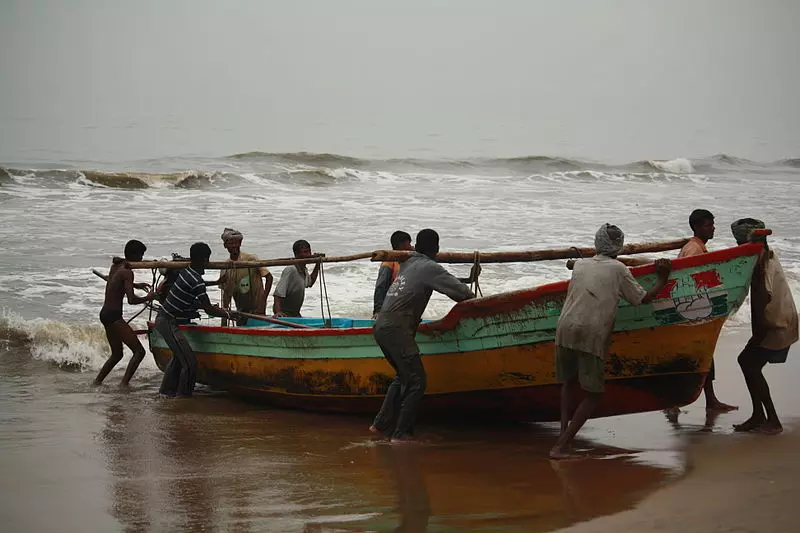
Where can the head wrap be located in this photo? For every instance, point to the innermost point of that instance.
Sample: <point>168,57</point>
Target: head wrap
<point>231,235</point>
<point>742,228</point>
<point>608,240</point>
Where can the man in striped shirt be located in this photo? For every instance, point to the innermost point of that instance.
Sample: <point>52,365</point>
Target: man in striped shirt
<point>186,295</point>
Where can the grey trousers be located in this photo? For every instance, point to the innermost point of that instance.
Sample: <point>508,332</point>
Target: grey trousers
<point>399,410</point>
<point>181,372</point>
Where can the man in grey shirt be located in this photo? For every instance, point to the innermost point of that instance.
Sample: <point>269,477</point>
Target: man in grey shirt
<point>295,279</point>
<point>396,328</point>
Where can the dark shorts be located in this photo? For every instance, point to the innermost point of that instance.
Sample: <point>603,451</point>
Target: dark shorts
<point>108,317</point>
<point>587,368</point>
<point>767,355</point>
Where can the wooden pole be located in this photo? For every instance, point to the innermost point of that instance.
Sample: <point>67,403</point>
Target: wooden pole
<point>536,255</point>
<point>443,257</point>
<point>220,265</point>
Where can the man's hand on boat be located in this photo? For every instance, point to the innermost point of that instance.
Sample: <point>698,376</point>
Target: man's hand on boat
<point>663,267</point>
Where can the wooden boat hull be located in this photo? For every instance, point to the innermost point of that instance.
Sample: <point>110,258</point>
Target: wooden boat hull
<point>490,357</point>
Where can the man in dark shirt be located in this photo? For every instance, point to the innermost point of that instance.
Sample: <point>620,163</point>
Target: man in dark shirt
<point>388,270</point>
<point>187,294</point>
<point>396,328</point>
<point>119,284</point>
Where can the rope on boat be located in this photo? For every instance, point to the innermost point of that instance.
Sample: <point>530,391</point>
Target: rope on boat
<point>475,286</point>
<point>323,297</point>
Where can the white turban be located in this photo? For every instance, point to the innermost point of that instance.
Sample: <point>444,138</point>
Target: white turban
<point>608,240</point>
<point>231,235</point>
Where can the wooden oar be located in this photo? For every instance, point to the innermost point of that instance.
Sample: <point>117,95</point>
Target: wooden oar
<point>220,265</point>
<point>536,255</point>
<point>272,320</point>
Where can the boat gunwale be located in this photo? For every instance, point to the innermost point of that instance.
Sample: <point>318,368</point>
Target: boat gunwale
<point>503,302</point>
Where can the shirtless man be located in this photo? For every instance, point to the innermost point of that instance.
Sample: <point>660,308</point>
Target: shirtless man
<point>701,222</point>
<point>119,284</point>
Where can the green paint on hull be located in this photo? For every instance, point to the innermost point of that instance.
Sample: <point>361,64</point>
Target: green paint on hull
<point>700,292</point>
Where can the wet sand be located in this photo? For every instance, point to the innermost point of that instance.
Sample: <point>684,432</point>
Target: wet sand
<point>734,484</point>
<point>75,458</point>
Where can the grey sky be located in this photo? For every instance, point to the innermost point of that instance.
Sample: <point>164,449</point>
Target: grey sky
<point>609,80</point>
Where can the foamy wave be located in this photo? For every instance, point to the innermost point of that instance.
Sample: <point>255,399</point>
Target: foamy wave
<point>74,346</point>
<point>677,166</point>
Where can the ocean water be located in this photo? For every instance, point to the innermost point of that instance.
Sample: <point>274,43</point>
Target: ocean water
<point>60,223</point>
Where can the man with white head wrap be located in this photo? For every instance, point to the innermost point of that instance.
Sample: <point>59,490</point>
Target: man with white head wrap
<point>774,328</point>
<point>583,333</point>
<point>243,285</point>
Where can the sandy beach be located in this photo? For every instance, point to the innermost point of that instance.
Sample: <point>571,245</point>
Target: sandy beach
<point>732,482</point>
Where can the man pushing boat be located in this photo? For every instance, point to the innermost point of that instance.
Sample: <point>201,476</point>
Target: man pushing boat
<point>583,332</point>
<point>396,327</point>
<point>187,294</point>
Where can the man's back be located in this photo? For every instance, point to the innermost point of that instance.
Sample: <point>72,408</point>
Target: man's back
<point>419,276</point>
<point>292,288</point>
<point>181,302</point>
<point>780,313</point>
<point>115,286</point>
<point>695,246</point>
<point>590,309</point>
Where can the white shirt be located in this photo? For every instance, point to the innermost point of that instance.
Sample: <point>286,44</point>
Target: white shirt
<point>590,309</point>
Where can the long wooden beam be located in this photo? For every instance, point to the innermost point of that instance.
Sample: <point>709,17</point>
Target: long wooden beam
<point>443,257</point>
<point>536,255</point>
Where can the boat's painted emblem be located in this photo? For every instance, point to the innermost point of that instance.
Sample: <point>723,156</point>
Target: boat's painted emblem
<point>706,298</point>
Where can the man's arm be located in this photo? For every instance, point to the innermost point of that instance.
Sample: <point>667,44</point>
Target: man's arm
<point>127,279</point>
<point>444,282</point>
<point>314,273</point>
<point>663,268</point>
<point>759,300</point>
<point>277,307</point>
<point>214,310</point>
<point>382,285</point>
<point>281,290</point>
<point>267,287</point>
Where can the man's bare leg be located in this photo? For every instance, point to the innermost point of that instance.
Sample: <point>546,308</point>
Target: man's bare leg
<point>712,403</point>
<point>567,395</point>
<point>772,425</point>
<point>115,342</point>
<point>127,335</point>
<point>582,414</point>
<point>749,369</point>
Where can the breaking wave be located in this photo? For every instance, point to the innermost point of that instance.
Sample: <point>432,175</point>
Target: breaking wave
<point>75,347</point>
<point>310,169</point>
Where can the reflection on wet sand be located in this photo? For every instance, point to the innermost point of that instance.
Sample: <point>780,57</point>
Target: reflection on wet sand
<point>213,463</point>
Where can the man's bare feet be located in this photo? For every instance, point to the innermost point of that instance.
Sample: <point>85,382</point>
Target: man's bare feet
<point>749,425</point>
<point>769,428</point>
<point>373,429</point>
<point>721,407</point>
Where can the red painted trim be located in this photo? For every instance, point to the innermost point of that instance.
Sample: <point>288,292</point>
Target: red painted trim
<point>513,301</point>
<point>503,302</point>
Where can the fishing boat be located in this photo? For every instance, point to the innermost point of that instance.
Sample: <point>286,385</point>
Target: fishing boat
<point>490,357</point>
